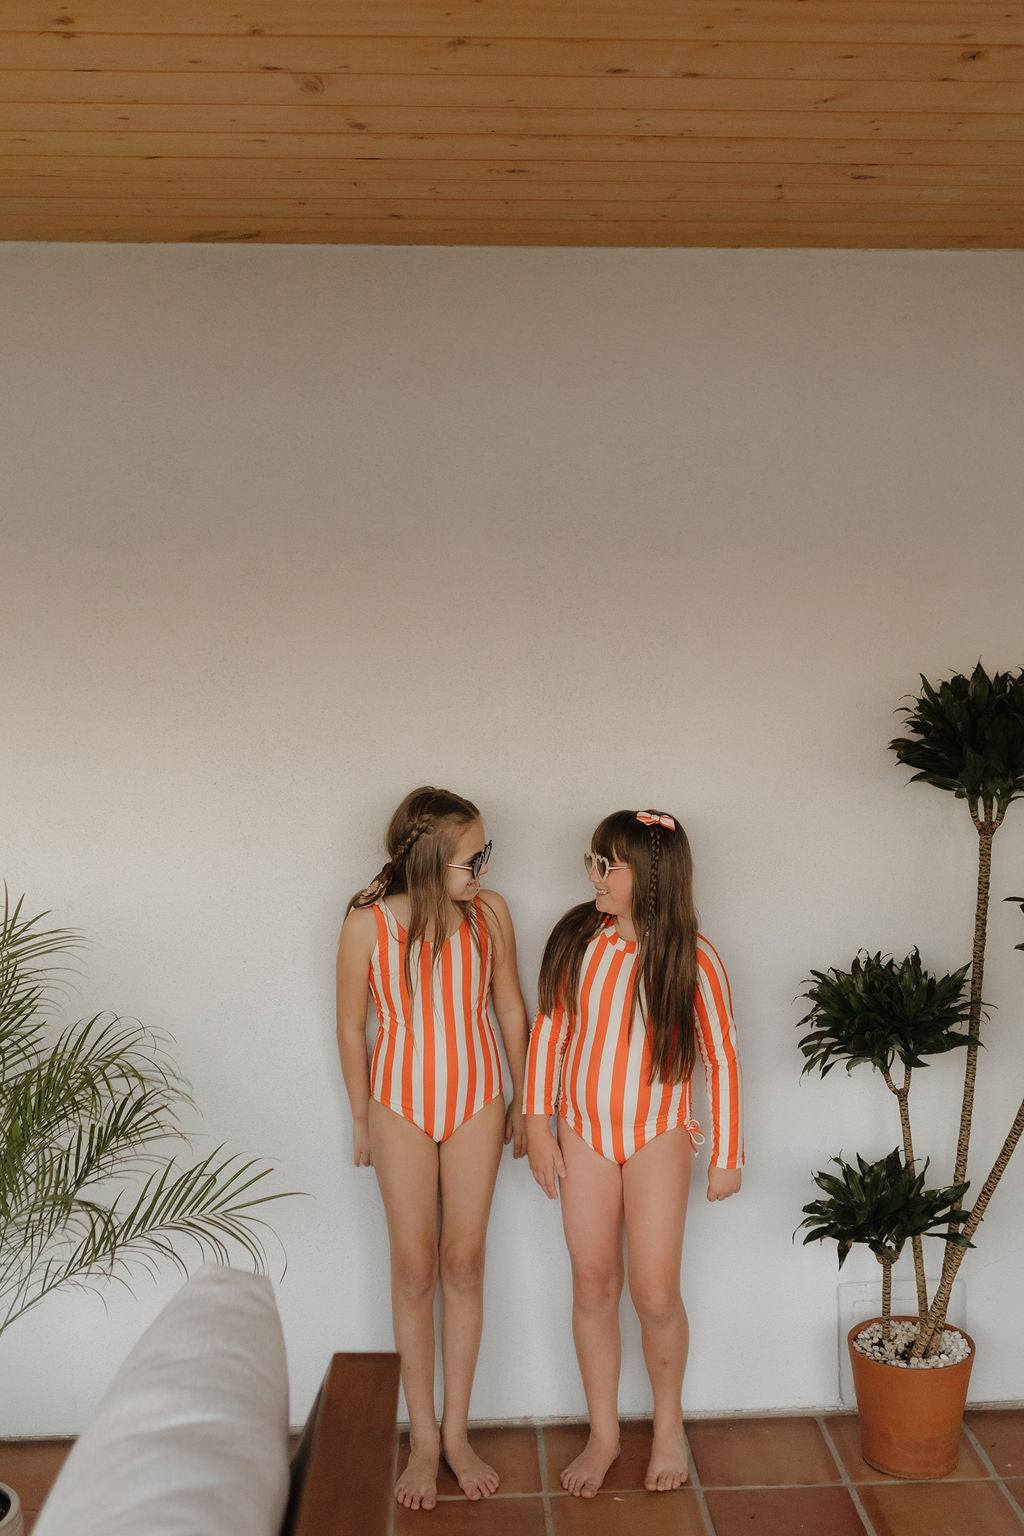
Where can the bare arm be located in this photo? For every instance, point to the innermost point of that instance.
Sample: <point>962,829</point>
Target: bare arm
<point>509,1010</point>
<point>355,947</point>
<point>546,1161</point>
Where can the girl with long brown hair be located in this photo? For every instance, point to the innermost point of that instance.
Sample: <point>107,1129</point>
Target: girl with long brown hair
<point>630,994</point>
<point>428,1112</point>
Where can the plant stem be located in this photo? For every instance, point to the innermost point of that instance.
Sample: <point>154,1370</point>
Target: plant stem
<point>937,1315</point>
<point>902,1096</point>
<point>886,1299</point>
<point>986,831</point>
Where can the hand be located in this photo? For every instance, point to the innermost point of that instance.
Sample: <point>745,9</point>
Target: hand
<point>546,1161</point>
<point>361,1154</point>
<point>723,1182</point>
<point>515,1130</point>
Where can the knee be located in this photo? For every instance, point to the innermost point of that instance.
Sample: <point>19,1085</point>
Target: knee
<point>596,1289</point>
<point>414,1275</point>
<point>655,1301</point>
<point>462,1266</point>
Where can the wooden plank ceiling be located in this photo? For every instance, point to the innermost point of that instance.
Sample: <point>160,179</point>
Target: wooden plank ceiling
<point>866,123</point>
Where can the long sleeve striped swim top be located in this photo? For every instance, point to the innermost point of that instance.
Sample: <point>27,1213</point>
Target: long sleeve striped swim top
<point>596,1073</point>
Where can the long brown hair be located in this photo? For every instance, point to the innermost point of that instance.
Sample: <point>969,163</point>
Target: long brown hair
<point>665,919</point>
<point>421,838</point>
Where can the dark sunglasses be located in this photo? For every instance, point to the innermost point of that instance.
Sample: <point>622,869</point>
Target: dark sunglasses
<point>477,862</point>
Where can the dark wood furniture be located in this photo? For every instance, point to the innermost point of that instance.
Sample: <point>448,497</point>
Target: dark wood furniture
<point>343,1467</point>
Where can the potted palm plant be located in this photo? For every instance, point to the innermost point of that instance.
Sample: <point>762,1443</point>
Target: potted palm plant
<point>89,1187</point>
<point>965,735</point>
<point>882,1012</point>
<point>879,1012</point>
<point>909,1419</point>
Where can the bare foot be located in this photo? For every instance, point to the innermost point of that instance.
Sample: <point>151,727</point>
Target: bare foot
<point>584,1476</point>
<point>669,1466</point>
<point>417,1486</point>
<point>476,1479</point>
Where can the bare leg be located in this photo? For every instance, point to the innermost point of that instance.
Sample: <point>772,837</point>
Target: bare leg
<point>655,1184</point>
<point>469,1165</point>
<point>591,1195</point>
<point>405,1160</point>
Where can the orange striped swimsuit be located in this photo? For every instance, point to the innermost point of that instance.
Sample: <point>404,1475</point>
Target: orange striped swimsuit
<point>596,1072</point>
<point>435,1060</point>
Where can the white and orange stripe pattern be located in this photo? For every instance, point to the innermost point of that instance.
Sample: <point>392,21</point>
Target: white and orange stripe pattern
<point>435,1060</point>
<point>596,1072</point>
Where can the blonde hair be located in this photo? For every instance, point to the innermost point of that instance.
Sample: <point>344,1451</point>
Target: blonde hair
<point>421,839</point>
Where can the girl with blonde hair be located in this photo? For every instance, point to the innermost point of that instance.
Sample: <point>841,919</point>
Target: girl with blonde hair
<point>432,947</point>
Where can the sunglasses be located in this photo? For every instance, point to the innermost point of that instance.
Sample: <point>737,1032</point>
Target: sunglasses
<point>592,861</point>
<point>477,862</point>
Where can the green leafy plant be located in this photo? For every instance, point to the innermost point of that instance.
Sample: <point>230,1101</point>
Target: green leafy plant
<point>89,1190</point>
<point>879,1012</point>
<point>881,1204</point>
<point>966,736</point>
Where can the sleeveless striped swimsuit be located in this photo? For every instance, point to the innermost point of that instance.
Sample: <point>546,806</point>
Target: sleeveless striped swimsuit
<point>435,1060</point>
<point>597,1073</point>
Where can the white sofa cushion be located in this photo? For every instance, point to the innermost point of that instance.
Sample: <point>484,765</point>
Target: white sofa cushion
<point>191,1437</point>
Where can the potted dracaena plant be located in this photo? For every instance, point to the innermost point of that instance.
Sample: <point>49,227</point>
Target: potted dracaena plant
<point>965,735</point>
<point>88,1188</point>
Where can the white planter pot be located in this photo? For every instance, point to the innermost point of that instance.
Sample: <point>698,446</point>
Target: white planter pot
<point>12,1523</point>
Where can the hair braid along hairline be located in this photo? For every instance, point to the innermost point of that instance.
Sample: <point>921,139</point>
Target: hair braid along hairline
<point>421,825</point>
<point>382,880</point>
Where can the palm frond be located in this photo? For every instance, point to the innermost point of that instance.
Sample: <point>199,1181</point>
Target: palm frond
<point>209,1205</point>
<point>89,1188</point>
<point>27,973</point>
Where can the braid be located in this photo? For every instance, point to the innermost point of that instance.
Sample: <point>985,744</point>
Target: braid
<point>432,816</point>
<point>382,881</point>
<point>652,884</point>
<point>416,830</point>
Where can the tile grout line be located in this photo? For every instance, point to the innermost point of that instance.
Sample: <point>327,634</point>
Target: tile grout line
<point>881,1482</point>
<point>493,1498</point>
<point>847,1481</point>
<point>698,1489</point>
<point>994,1472</point>
<point>542,1462</point>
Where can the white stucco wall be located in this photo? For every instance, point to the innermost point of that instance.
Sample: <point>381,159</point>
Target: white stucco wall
<point>288,531</point>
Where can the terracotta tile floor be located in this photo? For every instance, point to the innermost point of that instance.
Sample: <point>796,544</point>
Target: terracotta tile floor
<point>798,1476</point>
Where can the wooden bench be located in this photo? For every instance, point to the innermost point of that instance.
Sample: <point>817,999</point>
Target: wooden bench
<point>343,1469</point>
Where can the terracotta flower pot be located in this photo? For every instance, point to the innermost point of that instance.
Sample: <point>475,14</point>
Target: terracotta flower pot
<point>11,1522</point>
<point>910,1419</point>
